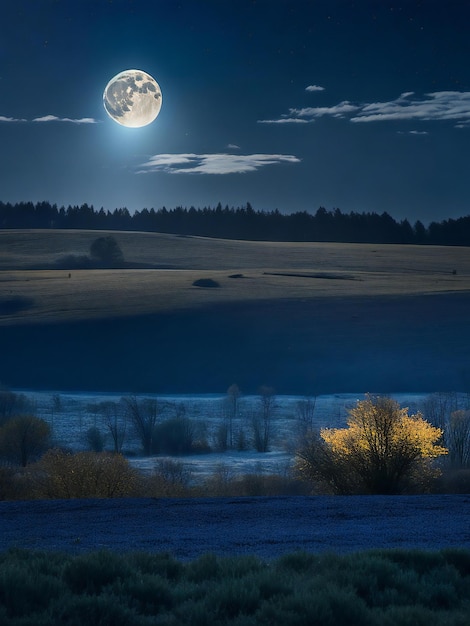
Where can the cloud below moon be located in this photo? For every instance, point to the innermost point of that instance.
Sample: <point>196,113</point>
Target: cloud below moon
<point>212,163</point>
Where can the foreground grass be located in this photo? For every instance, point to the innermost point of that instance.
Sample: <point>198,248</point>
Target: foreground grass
<point>378,588</point>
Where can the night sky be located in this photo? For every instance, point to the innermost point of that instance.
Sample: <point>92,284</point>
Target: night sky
<point>289,105</point>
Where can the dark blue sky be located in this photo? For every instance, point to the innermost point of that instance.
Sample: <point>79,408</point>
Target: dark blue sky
<point>292,104</point>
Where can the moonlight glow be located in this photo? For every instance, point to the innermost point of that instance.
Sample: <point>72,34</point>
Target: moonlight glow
<point>132,98</point>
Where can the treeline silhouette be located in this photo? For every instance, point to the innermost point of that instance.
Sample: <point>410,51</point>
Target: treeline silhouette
<point>241,223</point>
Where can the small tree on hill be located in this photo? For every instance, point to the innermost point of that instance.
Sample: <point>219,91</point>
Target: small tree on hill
<point>106,250</point>
<point>382,451</point>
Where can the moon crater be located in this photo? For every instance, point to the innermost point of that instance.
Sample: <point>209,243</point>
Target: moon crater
<point>132,98</point>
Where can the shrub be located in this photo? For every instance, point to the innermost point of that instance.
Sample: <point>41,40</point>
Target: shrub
<point>90,573</point>
<point>453,481</point>
<point>147,594</point>
<point>13,404</point>
<point>104,609</point>
<point>7,483</point>
<point>174,436</point>
<point>162,564</point>
<point>169,479</point>
<point>95,439</point>
<point>208,283</point>
<point>379,587</point>
<point>85,475</point>
<point>23,439</point>
<point>22,591</point>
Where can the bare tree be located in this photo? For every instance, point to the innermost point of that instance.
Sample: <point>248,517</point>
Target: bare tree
<point>450,412</point>
<point>438,407</point>
<point>304,413</point>
<point>143,415</point>
<point>115,419</point>
<point>262,420</point>
<point>233,396</point>
<point>457,439</point>
<point>12,404</point>
<point>24,438</point>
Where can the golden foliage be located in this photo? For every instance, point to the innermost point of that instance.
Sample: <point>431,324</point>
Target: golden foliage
<point>382,450</point>
<point>381,427</point>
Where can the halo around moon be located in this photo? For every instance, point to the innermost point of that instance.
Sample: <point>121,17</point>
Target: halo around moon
<point>132,98</point>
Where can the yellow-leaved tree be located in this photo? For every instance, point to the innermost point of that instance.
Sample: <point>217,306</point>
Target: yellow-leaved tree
<point>382,451</point>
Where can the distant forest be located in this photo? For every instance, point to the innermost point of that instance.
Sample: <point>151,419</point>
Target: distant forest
<point>241,223</point>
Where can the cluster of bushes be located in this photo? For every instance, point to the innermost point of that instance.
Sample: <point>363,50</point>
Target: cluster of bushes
<point>383,450</point>
<point>375,588</point>
<point>178,434</point>
<point>64,475</point>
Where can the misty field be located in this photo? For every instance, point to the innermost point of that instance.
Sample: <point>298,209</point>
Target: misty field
<point>302,317</point>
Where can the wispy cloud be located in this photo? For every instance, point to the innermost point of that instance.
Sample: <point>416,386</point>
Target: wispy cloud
<point>51,118</point>
<point>413,132</point>
<point>54,118</point>
<point>438,105</point>
<point>212,163</point>
<point>284,120</point>
<point>232,146</point>
<point>314,88</point>
<point>338,110</point>
<point>3,118</point>
<point>310,114</point>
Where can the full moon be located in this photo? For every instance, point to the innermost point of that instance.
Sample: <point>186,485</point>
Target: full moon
<point>132,98</point>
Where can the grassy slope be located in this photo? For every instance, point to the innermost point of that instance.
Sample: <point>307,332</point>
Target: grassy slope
<point>339,318</point>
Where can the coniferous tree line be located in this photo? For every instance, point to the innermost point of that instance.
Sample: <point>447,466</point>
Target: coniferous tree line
<point>241,223</point>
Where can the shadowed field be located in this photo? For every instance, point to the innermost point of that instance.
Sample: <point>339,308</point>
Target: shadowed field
<point>308,317</point>
<point>267,527</point>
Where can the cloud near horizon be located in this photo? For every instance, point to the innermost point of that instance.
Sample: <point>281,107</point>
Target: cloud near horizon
<point>212,163</point>
<point>435,106</point>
